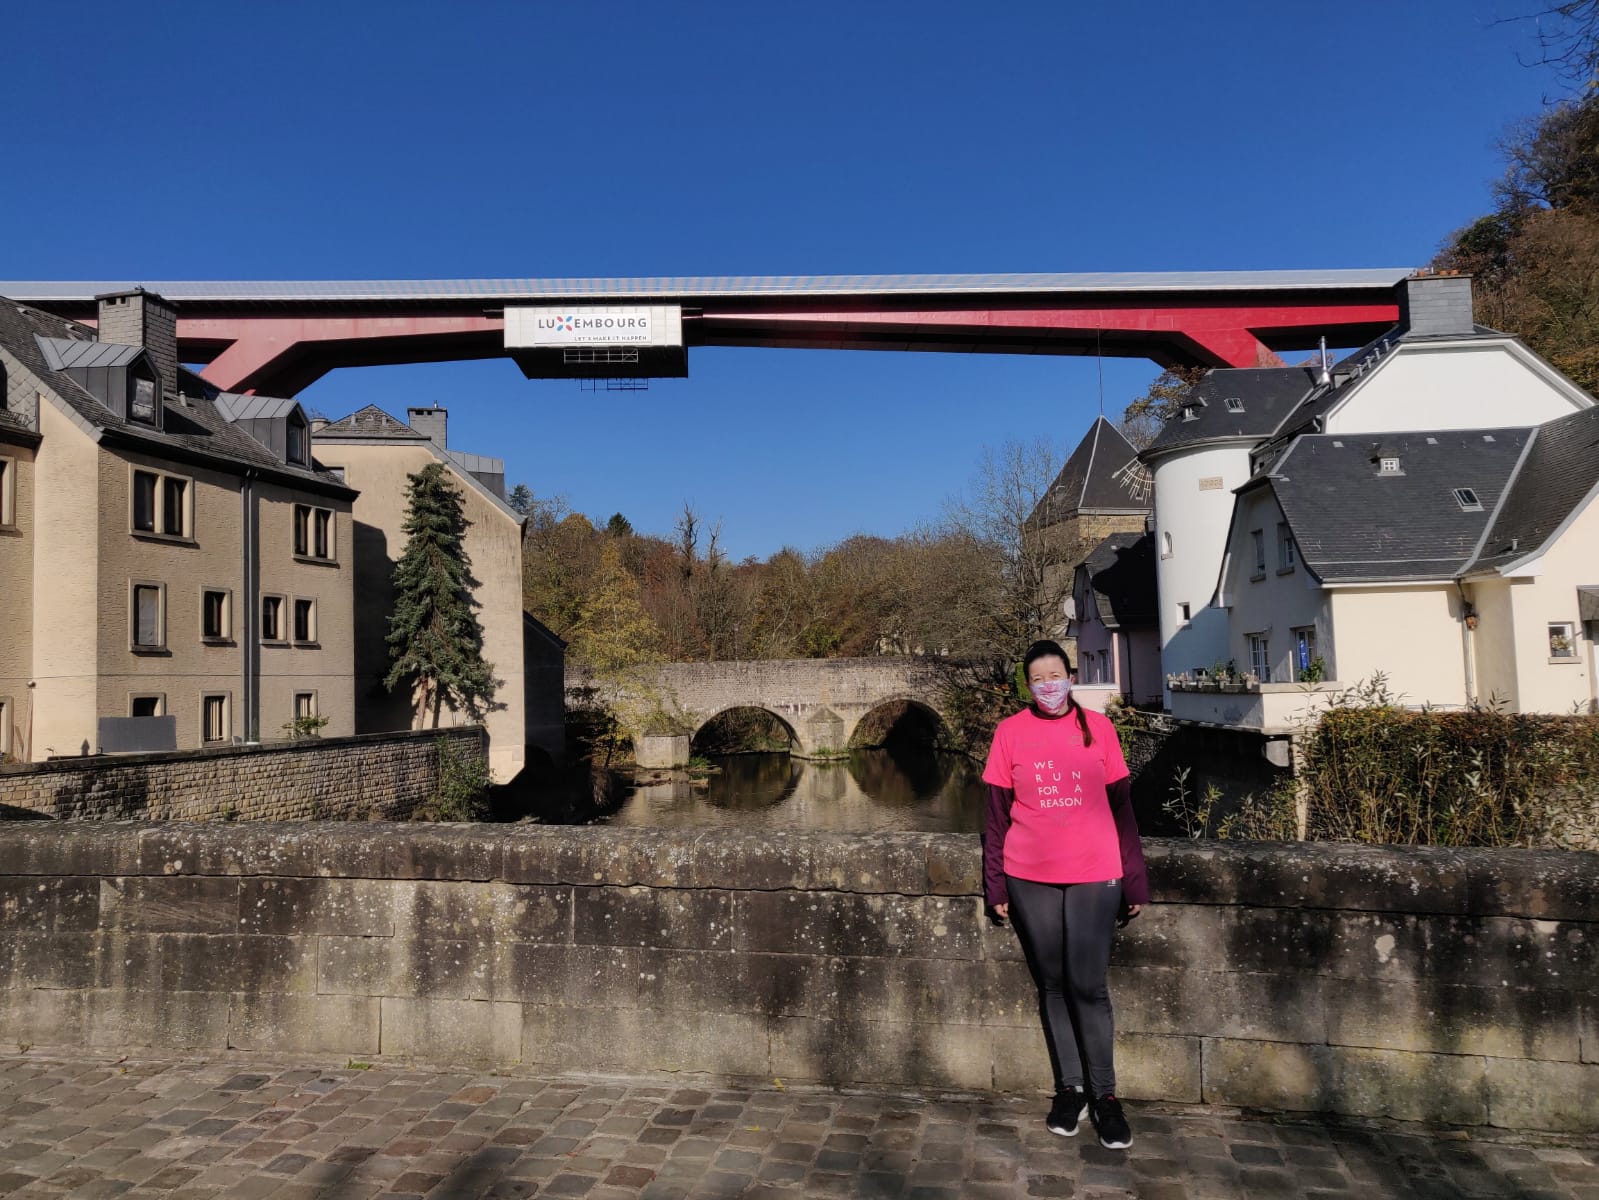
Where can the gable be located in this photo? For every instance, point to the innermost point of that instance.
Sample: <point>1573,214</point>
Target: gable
<point>1481,384</point>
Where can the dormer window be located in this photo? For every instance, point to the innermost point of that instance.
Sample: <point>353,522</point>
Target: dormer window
<point>1468,500</point>
<point>1190,412</point>
<point>142,400</point>
<point>1235,404</point>
<point>296,445</point>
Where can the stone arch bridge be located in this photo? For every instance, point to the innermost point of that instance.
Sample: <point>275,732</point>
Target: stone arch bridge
<point>820,700</point>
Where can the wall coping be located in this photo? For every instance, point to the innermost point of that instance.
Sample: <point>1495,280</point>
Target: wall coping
<point>1551,885</point>
<point>64,764</point>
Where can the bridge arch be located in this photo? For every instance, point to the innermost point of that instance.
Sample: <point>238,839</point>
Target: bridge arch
<point>702,737</point>
<point>902,717</point>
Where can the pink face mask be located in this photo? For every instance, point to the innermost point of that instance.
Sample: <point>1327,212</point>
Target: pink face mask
<point>1052,694</point>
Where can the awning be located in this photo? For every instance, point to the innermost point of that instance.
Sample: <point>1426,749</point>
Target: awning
<point>1588,603</point>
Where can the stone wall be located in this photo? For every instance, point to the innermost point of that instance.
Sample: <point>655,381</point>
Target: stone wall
<point>368,776</point>
<point>1454,987</point>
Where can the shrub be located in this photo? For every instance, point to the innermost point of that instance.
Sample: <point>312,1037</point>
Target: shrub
<point>463,788</point>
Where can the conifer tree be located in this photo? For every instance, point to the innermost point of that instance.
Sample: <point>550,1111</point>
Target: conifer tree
<point>434,639</point>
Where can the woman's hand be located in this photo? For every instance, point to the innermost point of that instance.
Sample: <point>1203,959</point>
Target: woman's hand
<point>1133,910</point>
<point>1002,911</point>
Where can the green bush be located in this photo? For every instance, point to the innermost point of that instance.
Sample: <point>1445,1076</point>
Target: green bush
<point>462,793</point>
<point>1377,773</point>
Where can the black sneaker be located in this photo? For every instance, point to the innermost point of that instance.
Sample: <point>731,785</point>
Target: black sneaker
<point>1114,1133</point>
<point>1069,1108</point>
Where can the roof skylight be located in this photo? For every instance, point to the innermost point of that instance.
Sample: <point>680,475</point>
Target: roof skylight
<point>1467,499</point>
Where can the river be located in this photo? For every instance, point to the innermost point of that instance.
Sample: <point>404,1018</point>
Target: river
<point>902,788</point>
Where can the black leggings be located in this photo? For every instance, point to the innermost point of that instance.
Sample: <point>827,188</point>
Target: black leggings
<point>1065,931</point>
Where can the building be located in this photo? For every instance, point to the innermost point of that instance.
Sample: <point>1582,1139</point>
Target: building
<point>377,454</point>
<point>175,564</point>
<point>1118,637</point>
<point>1420,510</point>
<point>1102,490</point>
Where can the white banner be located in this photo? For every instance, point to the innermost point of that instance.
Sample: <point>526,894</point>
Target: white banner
<point>641,326</point>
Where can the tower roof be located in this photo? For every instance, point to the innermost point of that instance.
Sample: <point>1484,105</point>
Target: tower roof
<point>1102,475</point>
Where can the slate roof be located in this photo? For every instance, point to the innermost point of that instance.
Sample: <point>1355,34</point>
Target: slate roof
<point>65,354</point>
<point>1267,395</point>
<point>237,407</point>
<point>1352,524</point>
<point>1102,475</point>
<point>1121,573</point>
<point>1560,469</point>
<point>192,432</point>
<point>372,423</point>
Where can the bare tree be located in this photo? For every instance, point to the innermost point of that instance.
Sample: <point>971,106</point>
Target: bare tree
<point>998,511</point>
<point>1568,40</point>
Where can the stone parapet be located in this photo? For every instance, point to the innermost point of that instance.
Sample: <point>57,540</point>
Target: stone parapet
<point>382,775</point>
<point>1438,985</point>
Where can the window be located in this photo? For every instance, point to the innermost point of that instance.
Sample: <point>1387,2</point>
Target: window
<point>1184,615</point>
<point>313,532</point>
<point>272,619</point>
<point>8,490</point>
<point>1467,499</point>
<point>1285,547</point>
<point>304,705</point>
<point>1235,404</point>
<point>214,717</point>
<point>295,442</point>
<point>216,615</point>
<point>1258,536</point>
<point>305,620</point>
<point>1388,464</point>
<point>1562,642</point>
<point>148,619</point>
<point>1165,545</point>
<point>1304,649</point>
<point>1260,657</point>
<point>147,706</point>
<point>141,400</point>
<point>161,504</point>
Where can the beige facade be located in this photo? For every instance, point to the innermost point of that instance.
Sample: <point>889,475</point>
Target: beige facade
<point>379,469</point>
<point>1411,633</point>
<point>133,557</point>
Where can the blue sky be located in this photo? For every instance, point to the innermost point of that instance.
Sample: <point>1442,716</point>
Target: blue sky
<point>350,139</point>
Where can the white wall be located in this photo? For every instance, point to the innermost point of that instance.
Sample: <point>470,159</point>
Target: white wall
<point>1276,603</point>
<point>1545,683</point>
<point>1459,386</point>
<point>1196,520</point>
<point>1411,634</point>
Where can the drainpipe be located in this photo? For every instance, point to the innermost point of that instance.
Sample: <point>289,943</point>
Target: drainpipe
<point>1468,643</point>
<point>250,700</point>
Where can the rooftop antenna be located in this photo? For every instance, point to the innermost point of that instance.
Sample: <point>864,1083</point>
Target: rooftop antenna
<point>1326,375</point>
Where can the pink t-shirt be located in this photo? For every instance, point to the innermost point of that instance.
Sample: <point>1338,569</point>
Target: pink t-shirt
<point>1061,827</point>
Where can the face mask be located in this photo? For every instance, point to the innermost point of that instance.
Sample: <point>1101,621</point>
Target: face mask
<point>1052,694</point>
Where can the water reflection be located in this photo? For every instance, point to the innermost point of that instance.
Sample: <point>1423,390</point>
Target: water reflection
<point>891,789</point>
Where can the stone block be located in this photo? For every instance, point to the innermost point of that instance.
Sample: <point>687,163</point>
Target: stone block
<point>659,917</point>
<point>487,911</point>
<point>851,1051</point>
<point>1546,885</point>
<point>1009,996</point>
<point>284,849</point>
<point>451,1031</point>
<point>177,904</point>
<point>1285,1007</point>
<point>446,851</point>
<point>843,925</point>
<point>52,848</point>
<point>904,991</point>
<point>1528,1094</point>
<point>354,907</point>
<point>272,1022</point>
<point>1264,939</point>
<point>1171,935</point>
<point>1500,1022</point>
<point>186,962</point>
<point>33,904</point>
<point>1021,1058</point>
<point>659,750</point>
<point>954,865</point>
<point>429,968</point>
<point>1442,1088</point>
<point>47,960</point>
<point>594,855</point>
<point>121,1019</point>
<point>872,863</point>
<point>42,1017</point>
<point>542,973</point>
<point>591,1038</point>
<point>1467,951</point>
<point>1158,1068</point>
<point>1588,1027</point>
<point>769,861</point>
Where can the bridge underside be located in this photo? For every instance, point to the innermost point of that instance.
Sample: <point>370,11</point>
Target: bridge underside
<point>282,345</point>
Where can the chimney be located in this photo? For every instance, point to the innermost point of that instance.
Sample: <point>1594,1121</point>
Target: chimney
<point>1436,304</point>
<point>141,318</point>
<point>430,421</point>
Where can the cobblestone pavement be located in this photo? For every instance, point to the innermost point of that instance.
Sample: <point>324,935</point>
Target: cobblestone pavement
<point>96,1127</point>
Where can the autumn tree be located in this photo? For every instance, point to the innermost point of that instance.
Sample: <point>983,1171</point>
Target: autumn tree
<point>560,556</point>
<point>613,632</point>
<point>435,641</point>
<point>1144,418</point>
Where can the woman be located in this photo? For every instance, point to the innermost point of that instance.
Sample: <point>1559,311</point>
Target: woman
<point>1062,861</point>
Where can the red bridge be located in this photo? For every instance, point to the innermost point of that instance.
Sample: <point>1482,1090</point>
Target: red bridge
<point>277,338</point>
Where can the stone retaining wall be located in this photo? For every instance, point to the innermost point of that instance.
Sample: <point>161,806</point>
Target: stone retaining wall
<point>1454,987</point>
<point>378,775</point>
